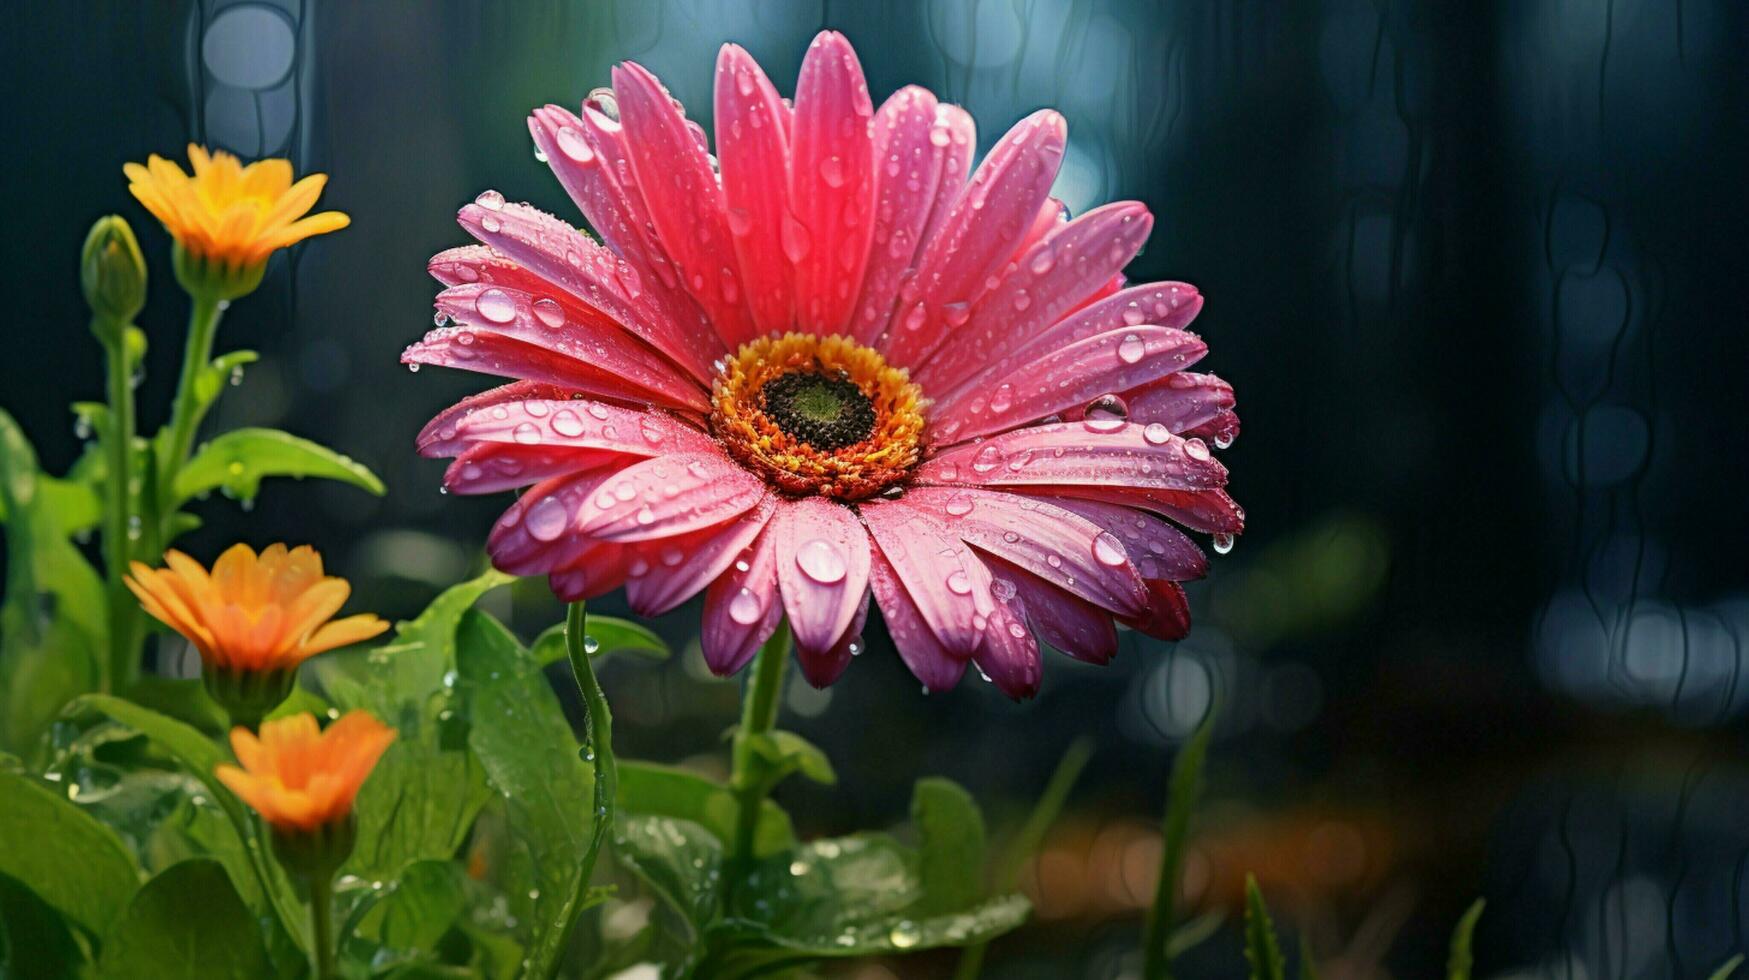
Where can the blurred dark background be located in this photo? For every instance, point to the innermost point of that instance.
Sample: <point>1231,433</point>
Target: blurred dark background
<point>1475,269</point>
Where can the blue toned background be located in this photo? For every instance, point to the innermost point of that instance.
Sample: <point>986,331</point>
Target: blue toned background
<point>1475,269</point>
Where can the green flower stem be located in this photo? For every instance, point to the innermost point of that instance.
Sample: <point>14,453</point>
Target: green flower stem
<point>322,923</point>
<point>597,748</point>
<point>118,511</point>
<point>759,703</point>
<point>188,408</point>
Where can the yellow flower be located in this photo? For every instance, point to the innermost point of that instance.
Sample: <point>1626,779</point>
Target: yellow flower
<point>302,779</point>
<point>228,215</point>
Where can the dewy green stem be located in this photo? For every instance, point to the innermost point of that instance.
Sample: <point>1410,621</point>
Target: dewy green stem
<point>118,511</point>
<point>322,923</point>
<point>597,748</point>
<point>759,704</point>
<point>188,408</point>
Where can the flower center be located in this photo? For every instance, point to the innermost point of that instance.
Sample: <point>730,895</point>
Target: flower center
<point>818,415</point>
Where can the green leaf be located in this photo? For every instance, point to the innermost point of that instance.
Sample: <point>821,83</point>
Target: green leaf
<point>1182,793</point>
<point>159,937</point>
<point>410,917</point>
<point>54,629</point>
<point>530,755</point>
<point>680,861</point>
<point>210,383</point>
<point>610,635</point>
<point>73,863</point>
<point>1725,969</point>
<point>1462,943</point>
<point>36,942</point>
<point>236,462</point>
<point>950,828</point>
<point>786,752</point>
<point>665,791</point>
<point>1261,949</point>
<point>428,788</point>
<point>198,755</point>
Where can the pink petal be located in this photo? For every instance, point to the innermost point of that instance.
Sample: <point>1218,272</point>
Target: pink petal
<point>1065,380</point>
<point>961,134</point>
<point>597,572</point>
<point>599,178</point>
<point>538,533</point>
<point>1157,549</point>
<point>494,467</point>
<point>578,424</point>
<point>559,324</point>
<point>1160,304</point>
<point>1168,614</point>
<point>1106,453</point>
<point>442,427</point>
<point>821,668</point>
<point>741,608</point>
<point>1009,654</point>
<point>1209,511</point>
<point>1067,622</point>
<point>822,568</point>
<point>673,494</point>
<point>1048,540</point>
<point>573,262</point>
<point>683,198</point>
<point>917,642</point>
<point>945,581</point>
<point>753,153</point>
<point>1181,402</point>
<point>1045,282</point>
<point>831,184</point>
<point>981,231</point>
<point>684,565</point>
<point>908,171</point>
<point>468,349</point>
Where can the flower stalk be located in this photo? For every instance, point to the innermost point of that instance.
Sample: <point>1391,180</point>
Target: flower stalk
<point>118,511</point>
<point>759,705</point>
<point>597,749</point>
<point>189,406</point>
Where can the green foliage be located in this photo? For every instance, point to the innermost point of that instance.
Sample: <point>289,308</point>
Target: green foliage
<point>157,936</point>
<point>1262,951</point>
<point>237,461</point>
<point>54,630</point>
<point>522,739</point>
<point>950,830</point>
<point>1462,939</point>
<point>610,635</point>
<point>1727,968</point>
<point>663,791</point>
<point>75,865</point>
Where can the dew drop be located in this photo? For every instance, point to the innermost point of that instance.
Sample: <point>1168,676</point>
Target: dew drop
<point>744,608</point>
<point>821,561</point>
<point>496,305</point>
<point>1196,449</point>
<point>490,200</point>
<point>740,222</point>
<point>526,433</point>
<point>1223,543</point>
<point>1131,349</point>
<point>832,172</point>
<point>959,583</point>
<point>1156,433</point>
<point>549,312</point>
<point>1041,263</point>
<point>959,505</point>
<point>1107,549</point>
<point>566,423</point>
<point>987,459</point>
<point>546,519</point>
<point>1133,315</point>
<point>572,144</point>
<point>1107,413</point>
<point>796,240</point>
<point>491,224</point>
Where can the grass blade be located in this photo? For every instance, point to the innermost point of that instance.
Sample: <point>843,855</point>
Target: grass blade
<point>1181,797</point>
<point>1462,941</point>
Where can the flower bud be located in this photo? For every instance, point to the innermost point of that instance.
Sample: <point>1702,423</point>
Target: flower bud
<point>112,271</point>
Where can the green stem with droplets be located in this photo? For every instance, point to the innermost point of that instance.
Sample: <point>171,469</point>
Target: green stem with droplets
<point>188,408</point>
<point>598,748</point>
<point>759,704</point>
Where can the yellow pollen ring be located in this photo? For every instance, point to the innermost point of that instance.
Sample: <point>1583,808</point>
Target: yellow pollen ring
<point>853,472</point>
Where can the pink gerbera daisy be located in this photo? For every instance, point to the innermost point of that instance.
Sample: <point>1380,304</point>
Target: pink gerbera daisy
<point>827,364</point>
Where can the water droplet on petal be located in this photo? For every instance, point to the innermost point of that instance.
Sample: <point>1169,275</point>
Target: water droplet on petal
<point>496,306</point>
<point>1131,349</point>
<point>490,200</point>
<point>959,583</point>
<point>572,144</point>
<point>1196,449</point>
<point>549,312</point>
<point>1223,543</point>
<point>987,459</point>
<point>526,434</point>
<point>1156,433</point>
<point>546,519</point>
<point>832,172</point>
<point>821,561</point>
<point>745,608</point>
<point>1107,549</point>
<point>1107,413</point>
<point>566,423</point>
<point>959,505</point>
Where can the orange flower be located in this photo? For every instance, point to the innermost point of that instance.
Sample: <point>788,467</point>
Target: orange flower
<point>300,778</point>
<point>252,614</point>
<point>228,213</point>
